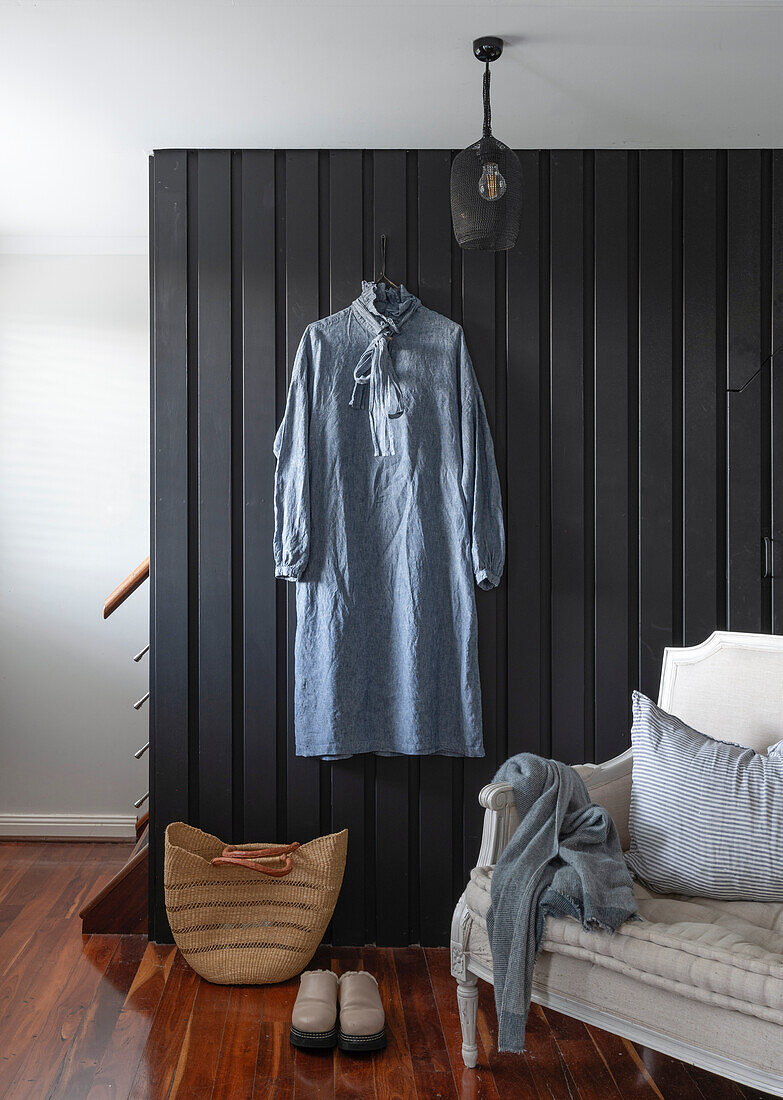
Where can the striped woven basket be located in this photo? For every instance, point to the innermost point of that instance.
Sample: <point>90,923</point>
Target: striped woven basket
<point>253,914</point>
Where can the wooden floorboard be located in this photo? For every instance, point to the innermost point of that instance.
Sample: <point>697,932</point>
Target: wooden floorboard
<point>471,1084</point>
<point>431,1067</point>
<point>671,1077</point>
<point>236,1068</point>
<point>38,1068</point>
<point>98,1021</point>
<point>628,1071</point>
<point>113,1017</point>
<point>196,1070</point>
<point>393,1069</point>
<point>122,1056</point>
<point>353,1077</point>
<point>588,1070</point>
<point>160,1058</point>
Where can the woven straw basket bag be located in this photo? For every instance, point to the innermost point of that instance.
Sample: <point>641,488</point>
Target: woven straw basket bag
<point>253,914</point>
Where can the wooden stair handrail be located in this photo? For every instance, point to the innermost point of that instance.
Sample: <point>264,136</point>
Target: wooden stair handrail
<point>129,585</point>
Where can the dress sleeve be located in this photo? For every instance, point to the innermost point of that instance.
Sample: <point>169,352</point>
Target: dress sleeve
<point>480,482</point>
<point>292,476</point>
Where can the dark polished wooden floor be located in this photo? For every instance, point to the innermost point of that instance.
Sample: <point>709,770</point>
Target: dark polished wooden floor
<point>113,1016</point>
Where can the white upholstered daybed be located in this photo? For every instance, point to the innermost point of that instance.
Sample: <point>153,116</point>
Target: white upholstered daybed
<point>699,979</point>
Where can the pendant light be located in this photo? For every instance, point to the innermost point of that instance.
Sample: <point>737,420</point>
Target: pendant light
<point>486,179</point>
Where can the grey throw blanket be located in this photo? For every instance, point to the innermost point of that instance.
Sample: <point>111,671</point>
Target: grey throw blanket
<point>564,860</point>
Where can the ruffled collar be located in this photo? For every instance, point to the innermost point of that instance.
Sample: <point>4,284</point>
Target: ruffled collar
<point>379,304</point>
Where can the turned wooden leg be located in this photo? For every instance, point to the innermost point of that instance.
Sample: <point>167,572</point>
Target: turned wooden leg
<point>467,999</point>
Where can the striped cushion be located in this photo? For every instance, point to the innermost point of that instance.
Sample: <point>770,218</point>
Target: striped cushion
<point>706,817</point>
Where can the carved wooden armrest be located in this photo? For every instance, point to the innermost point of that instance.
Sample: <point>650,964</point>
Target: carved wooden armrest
<point>496,796</point>
<point>500,821</point>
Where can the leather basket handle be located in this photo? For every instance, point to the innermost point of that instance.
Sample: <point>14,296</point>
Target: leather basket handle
<point>257,859</point>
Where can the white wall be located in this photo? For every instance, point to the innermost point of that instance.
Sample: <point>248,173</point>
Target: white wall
<point>74,521</point>
<point>91,86</point>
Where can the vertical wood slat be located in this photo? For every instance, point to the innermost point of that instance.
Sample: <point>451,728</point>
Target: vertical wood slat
<point>614,624</point>
<point>258,463</point>
<point>545,445</point>
<point>345,227</point>
<point>237,500</point>
<point>169,519</point>
<point>527,673</point>
<point>567,448</point>
<point>303,774</point>
<point>392,794</point>
<point>776,458</point>
<point>655,414</point>
<point>744,409</point>
<point>153,852</point>
<point>214,479</point>
<point>700,384</point>
<point>436,772</point>
<point>634,426</point>
<point>478,319</point>
<point>349,779</point>
<point>500,440</point>
<point>765,249</point>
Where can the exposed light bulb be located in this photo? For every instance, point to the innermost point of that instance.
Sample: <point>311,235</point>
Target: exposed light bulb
<point>492,185</point>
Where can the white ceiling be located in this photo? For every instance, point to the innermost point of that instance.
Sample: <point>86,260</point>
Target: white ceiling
<point>89,87</point>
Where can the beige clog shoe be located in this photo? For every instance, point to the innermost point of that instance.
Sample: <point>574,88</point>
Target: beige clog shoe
<point>362,1019</point>
<point>314,1019</point>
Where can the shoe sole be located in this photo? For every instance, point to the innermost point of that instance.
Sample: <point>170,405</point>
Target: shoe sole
<point>361,1042</point>
<point>313,1040</point>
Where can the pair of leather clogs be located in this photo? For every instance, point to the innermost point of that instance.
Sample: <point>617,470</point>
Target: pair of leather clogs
<point>314,1021</point>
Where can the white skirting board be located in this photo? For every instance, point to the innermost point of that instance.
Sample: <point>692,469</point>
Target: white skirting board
<point>99,826</point>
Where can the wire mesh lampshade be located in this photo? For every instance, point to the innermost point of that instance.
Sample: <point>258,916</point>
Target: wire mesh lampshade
<point>486,180</point>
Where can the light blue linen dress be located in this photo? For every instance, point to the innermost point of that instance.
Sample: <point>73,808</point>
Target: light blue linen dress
<point>387,509</point>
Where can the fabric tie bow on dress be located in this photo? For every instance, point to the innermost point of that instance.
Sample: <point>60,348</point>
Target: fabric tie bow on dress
<point>376,369</point>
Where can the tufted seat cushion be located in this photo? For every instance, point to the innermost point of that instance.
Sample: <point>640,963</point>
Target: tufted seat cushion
<point>727,954</point>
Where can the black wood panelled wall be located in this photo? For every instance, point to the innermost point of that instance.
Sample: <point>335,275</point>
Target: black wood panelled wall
<point>644,289</point>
